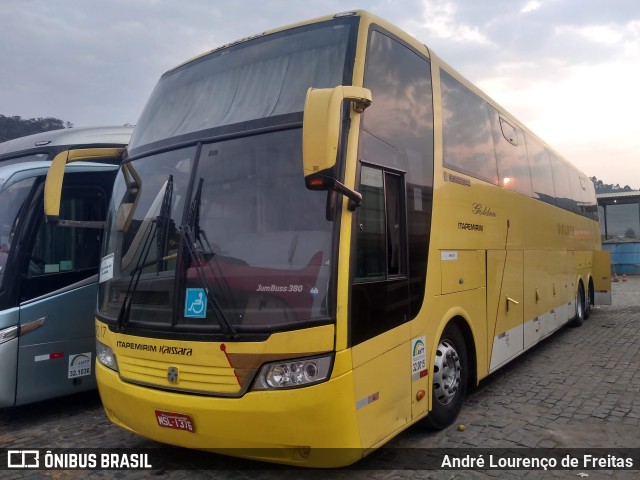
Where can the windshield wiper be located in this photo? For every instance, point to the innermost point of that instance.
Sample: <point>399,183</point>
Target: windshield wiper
<point>197,260</point>
<point>161,224</point>
<point>125,308</point>
<point>164,222</point>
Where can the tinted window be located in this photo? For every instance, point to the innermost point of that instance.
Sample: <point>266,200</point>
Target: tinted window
<point>511,154</point>
<point>59,248</point>
<point>541,173</point>
<point>467,133</point>
<point>560,169</point>
<point>623,222</point>
<point>370,246</point>
<point>397,134</point>
<point>14,205</point>
<point>263,236</point>
<point>402,112</point>
<point>258,79</point>
<point>590,204</point>
<point>380,237</point>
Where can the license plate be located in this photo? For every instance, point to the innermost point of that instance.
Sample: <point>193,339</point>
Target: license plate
<point>177,421</point>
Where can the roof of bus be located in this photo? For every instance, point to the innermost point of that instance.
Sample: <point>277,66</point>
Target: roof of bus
<point>351,13</point>
<point>411,40</point>
<point>70,137</point>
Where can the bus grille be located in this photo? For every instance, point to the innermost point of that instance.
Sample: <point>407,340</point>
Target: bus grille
<point>203,379</point>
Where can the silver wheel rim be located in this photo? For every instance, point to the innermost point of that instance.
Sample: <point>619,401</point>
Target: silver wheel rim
<point>580,304</point>
<point>447,373</point>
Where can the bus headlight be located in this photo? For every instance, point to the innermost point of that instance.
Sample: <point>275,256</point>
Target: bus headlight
<point>105,356</point>
<point>293,373</point>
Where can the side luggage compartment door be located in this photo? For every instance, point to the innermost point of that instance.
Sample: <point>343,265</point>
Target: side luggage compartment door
<point>56,350</point>
<point>505,305</point>
<point>602,277</point>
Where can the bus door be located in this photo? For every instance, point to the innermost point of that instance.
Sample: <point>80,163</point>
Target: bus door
<point>57,291</point>
<point>505,305</point>
<point>379,304</point>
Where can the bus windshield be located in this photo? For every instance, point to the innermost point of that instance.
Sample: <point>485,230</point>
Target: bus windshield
<point>259,238</point>
<point>263,78</point>
<point>14,201</point>
<point>219,235</point>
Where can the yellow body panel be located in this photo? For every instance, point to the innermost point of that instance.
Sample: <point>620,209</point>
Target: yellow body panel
<point>462,270</point>
<point>382,406</point>
<point>221,368</point>
<point>312,426</point>
<point>602,272</point>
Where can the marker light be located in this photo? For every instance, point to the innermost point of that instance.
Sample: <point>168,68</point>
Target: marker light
<point>316,183</point>
<point>105,356</point>
<point>293,373</point>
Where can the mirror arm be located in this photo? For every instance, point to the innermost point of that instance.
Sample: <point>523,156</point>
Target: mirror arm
<point>355,198</point>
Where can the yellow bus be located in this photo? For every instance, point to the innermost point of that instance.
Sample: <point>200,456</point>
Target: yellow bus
<point>322,235</point>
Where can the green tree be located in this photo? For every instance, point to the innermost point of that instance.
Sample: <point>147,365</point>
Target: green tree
<point>15,127</point>
<point>602,187</point>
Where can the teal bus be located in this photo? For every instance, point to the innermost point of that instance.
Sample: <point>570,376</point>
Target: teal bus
<point>49,260</point>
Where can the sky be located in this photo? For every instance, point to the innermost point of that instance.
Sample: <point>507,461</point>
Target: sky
<point>567,69</point>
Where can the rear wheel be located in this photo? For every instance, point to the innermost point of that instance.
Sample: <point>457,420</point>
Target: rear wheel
<point>450,376</point>
<point>588,301</point>
<point>580,308</point>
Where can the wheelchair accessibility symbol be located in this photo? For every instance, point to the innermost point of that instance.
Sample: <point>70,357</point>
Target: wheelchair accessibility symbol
<point>195,303</point>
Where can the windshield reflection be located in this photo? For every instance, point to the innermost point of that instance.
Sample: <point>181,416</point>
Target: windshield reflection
<point>259,79</point>
<point>259,251</point>
<point>13,201</point>
<point>270,240</point>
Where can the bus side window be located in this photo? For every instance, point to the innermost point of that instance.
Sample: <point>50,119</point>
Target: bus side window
<point>541,173</point>
<point>62,255</point>
<point>511,155</point>
<point>467,136</point>
<point>561,182</point>
<point>380,243</point>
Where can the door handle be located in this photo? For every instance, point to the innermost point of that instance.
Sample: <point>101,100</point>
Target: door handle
<point>511,300</point>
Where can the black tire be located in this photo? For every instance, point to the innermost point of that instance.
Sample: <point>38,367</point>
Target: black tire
<point>588,302</point>
<point>450,378</point>
<point>579,317</point>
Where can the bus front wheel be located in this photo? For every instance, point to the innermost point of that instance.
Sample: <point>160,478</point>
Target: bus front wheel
<point>450,376</point>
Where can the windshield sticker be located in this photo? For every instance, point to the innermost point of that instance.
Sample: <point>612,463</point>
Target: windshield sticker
<point>79,365</point>
<point>418,358</point>
<point>280,288</point>
<point>195,304</point>
<point>106,268</point>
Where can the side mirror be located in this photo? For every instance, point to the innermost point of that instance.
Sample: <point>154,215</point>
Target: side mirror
<point>130,200</point>
<point>55,175</point>
<point>321,136</point>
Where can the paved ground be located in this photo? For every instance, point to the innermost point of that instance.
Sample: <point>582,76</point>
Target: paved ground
<point>578,389</point>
